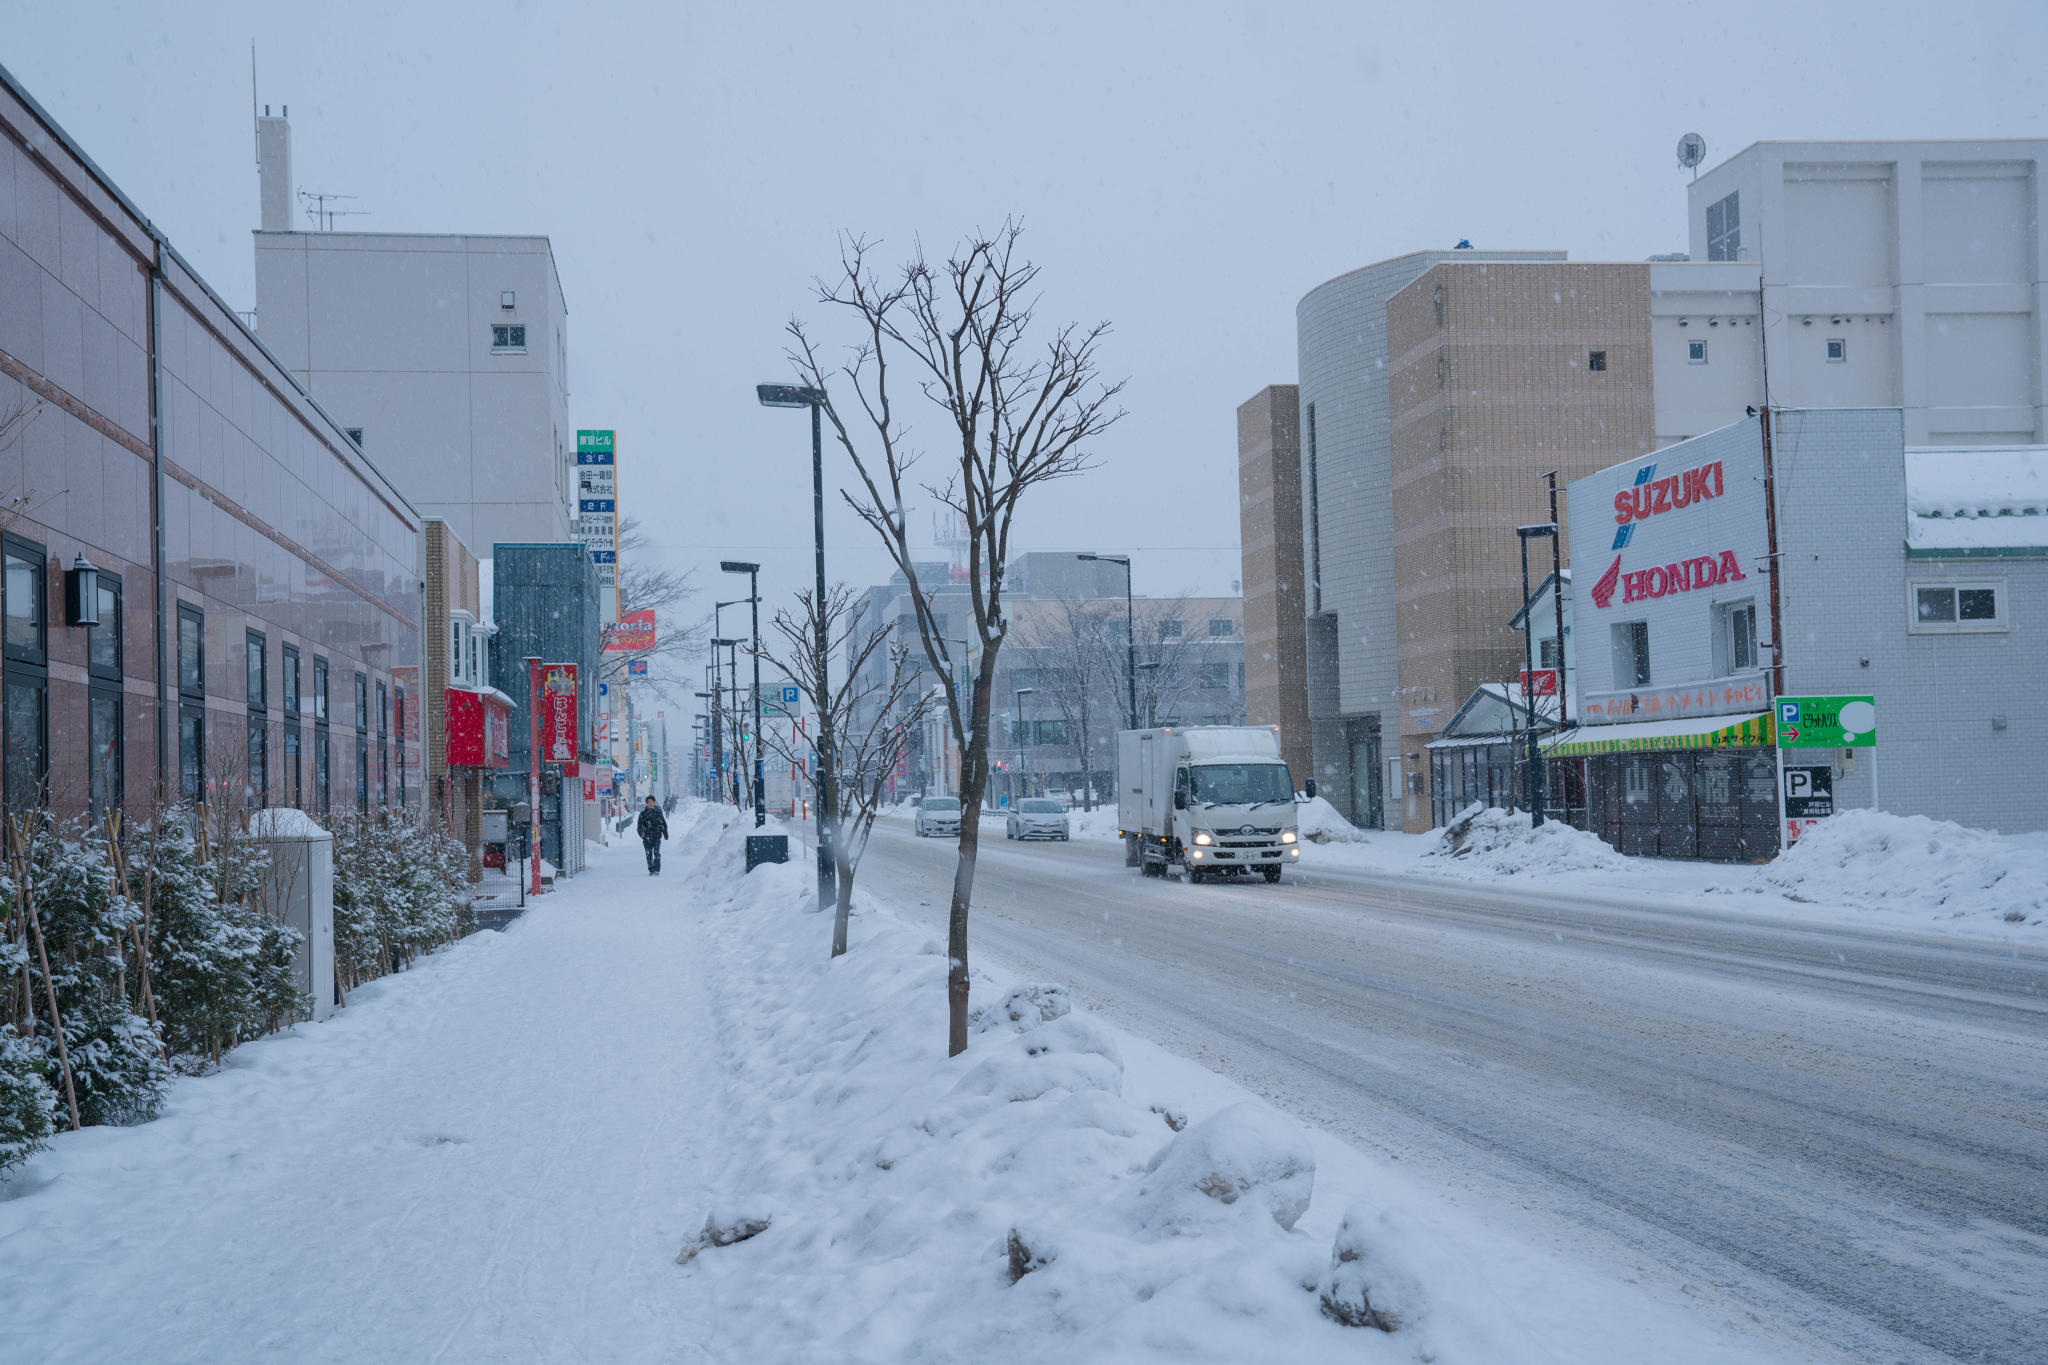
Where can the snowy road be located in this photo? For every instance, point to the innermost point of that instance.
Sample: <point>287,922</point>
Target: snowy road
<point>1844,1130</point>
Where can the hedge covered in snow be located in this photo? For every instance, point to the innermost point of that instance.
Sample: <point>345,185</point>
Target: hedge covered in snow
<point>126,958</point>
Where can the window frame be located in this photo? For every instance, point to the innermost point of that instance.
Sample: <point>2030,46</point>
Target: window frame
<point>363,702</point>
<point>256,669</point>
<point>99,801</point>
<point>514,334</point>
<point>1638,635</point>
<point>37,557</point>
<point>1724,240</point>
<point>1696,350</point>
<point>188,612</point>
<point>1837,351</point>
<point>291,674</point>
<point>323,674</point>
<point>108,582</point>
<point>1229,631</point>
<point>37,681</point>
<point>1596,362</point>
<point>1998,625</point>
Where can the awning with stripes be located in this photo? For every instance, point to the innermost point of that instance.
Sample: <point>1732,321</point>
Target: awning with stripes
<point>1752,731</point>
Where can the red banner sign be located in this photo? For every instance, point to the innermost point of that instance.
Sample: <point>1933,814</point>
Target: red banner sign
<point>632,633</point>
<point>479,730</point>
<point>1541,682</point>
<point>558,713</point>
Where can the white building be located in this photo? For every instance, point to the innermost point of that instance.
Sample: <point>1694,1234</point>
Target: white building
<point>445,355</point>
<point>1896,274</point>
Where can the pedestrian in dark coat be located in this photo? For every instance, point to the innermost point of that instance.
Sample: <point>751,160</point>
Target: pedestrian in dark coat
<point>653,828</point>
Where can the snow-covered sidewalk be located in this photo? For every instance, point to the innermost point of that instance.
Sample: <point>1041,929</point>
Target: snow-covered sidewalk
<point>499,1156</point>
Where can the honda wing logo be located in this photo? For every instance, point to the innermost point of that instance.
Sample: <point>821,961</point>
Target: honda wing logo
<point>1603,591</point>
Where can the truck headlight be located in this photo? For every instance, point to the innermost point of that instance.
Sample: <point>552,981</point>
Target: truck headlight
<point>1286,836</point>
<point>1203,839</point>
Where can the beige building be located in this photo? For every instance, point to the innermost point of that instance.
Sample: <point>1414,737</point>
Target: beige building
<point>1498,372</point>
<point>452,637</point>
<point>444,356</point>
<point>1275,601</point>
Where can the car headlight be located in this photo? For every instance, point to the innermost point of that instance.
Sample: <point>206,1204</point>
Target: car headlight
<point>1286,836</point>
<point>1203,839</point>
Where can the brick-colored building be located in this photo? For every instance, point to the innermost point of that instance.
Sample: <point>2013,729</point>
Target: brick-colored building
<point>1497,373</point>
<point>1275,601</point>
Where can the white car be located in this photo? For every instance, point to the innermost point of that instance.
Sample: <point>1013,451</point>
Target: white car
<point>1037,817</point>
<point>938,815</point>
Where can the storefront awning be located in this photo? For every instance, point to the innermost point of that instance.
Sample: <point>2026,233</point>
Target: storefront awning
<point>1752,731</point>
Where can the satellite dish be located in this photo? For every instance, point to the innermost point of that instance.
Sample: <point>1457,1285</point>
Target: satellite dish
<point>1692,150</point>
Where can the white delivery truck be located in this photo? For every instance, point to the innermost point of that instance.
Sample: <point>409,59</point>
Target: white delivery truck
<point>1210,801</point>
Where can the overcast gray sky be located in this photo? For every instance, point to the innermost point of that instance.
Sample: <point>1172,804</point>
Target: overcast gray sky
<point>1186,171</point>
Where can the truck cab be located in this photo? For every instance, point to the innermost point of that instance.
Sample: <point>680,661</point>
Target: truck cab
<point>1206,802</point>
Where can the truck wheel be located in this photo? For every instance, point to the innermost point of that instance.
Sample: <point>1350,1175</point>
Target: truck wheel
<point>1272,873</point>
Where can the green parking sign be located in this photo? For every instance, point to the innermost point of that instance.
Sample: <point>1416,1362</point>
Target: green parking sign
<point>1826,722</point>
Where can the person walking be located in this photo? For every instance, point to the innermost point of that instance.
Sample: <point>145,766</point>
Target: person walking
<point>653,829</point>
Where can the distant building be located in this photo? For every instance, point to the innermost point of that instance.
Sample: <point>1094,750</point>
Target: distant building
<point>546,605</point>
<point>1275,597</point>
<point>444,355</point>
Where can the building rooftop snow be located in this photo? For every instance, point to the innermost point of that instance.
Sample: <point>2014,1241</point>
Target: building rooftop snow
<point>1976,499</point>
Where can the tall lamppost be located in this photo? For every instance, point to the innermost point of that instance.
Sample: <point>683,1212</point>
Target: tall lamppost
<point>797,396</point>
<point>1533,776</point>
<point>729,645</point>
<point>753,573</point>
<point>1130,628</point>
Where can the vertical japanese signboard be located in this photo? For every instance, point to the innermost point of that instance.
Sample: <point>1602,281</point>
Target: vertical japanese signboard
<point>558,713</point>
<point>597,509</point>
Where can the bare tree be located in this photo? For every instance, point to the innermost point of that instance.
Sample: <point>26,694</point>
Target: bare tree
<point>1021,405</point>
<point>1080,655</point>
<point>665,591</point>
<point>866,754</point>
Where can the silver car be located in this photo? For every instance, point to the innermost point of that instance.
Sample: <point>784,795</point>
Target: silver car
<point>1037,817</point>
<point>938,815</point>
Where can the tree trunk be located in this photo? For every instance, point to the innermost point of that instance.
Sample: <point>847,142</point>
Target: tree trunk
<point>973,787</point>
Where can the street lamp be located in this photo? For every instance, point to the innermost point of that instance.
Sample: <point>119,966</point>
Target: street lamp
<point>797,396</point>
<point>733,668</point>
<point>1130,628</point>
<point>753,573</point>
<point>1534,780</point>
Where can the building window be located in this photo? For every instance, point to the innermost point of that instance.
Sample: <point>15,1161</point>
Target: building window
<point>191,752</point>
<point>321,787</point>
<point>1957,608</point>
<point>294,792</point>
<point>1546,653</point>
<point>1170,628</point>
<point>362,773</point>
<point>398,727</point>
<point>1838,349</point>
<point>1696,352</point>
<point>509,338</point>
<point>24,591</point>
<point>1222,628</point>
<point>105,721</point>
<point>354,434</point>
<point>26,722</point>
<point>259,672</point>
<point>191,651</point>
<point>383,709</point>
<point>103,641</point>
<point>1735,638</point>
<point>1596,361</point>
<point>1724,230</point>
<point>290,663</point>
<point>320,691</point>
<point>259,760</point>
<point>362,702</point>
<point>1215,675</point>
<point>1631,655</point>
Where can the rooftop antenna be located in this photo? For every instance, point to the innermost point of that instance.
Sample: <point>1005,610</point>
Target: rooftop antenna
<point>323,217</point>
<point>1692,150</point>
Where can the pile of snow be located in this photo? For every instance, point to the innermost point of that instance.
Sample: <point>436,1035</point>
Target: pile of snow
<point>1496,843</point>
<point>1320,823</point>
<point>1872,860</point>
<point>1100,823</point>
<point>883,1202</point>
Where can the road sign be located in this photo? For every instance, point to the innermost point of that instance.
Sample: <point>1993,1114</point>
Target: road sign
<point>789,696</point>
<point>1827,722</point>
<point>636,668</point>
<point>1809,792</point>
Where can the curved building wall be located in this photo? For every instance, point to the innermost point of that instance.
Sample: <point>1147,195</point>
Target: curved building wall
<point>1347,516</point>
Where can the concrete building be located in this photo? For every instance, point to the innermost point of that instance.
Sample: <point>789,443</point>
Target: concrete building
<point>1905,576</point>
<point>1275,596</point>
<point>545,604</point>
<point>1351,680</point>
<point>257,584</point>
<point>1898,274</point>
<point>445,356</point>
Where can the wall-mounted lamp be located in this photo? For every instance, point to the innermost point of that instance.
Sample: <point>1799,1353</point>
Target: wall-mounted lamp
<point>81,594</point>
<point>505,300</point>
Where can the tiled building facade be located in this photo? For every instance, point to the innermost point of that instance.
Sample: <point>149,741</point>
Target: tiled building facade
<point>262,572</point>
<point>1275,602</point>
<point>1498,373</point>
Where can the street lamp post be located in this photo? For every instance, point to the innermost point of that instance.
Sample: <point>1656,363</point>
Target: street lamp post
<point>1130,628</point>
<point>797,396</point>
<point>734,668</point>
<point>1025,752</point>
<point>753,573</point>
<point>1534,782</point>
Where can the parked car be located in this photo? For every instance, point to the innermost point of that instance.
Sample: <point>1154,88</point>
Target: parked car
<point>938,815</point>
<point>1037,817</point>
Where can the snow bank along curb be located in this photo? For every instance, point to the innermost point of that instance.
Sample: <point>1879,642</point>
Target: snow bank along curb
<point>884,1202</point>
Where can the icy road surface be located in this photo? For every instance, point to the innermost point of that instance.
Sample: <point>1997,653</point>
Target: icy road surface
<point>1845,1129</point>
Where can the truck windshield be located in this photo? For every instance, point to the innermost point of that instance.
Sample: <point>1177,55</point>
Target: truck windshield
<point>1241,784</point>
